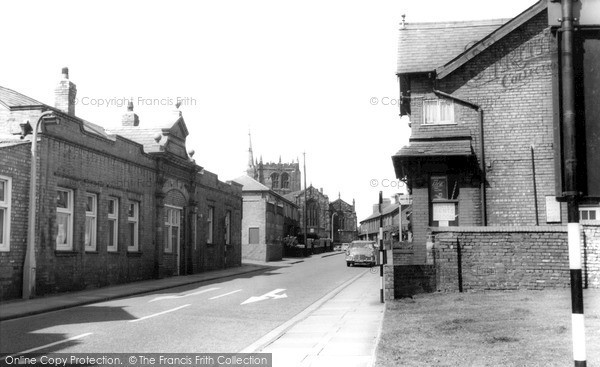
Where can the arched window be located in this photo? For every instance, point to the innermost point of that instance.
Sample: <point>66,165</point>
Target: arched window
<point>312,213</point>
<point>285,181</point>
<point>275,180</point>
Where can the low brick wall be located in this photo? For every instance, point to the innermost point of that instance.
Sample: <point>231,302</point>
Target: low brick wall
<point>408,280</point>
<point>479,258</point>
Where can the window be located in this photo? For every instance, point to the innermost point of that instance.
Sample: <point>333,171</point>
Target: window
<point>274,180</point>
<point>228,227</point>
<point>90,221</point>
<point>312,212</point>
<point>285,181</point>
<point>589,212</point>
<point>64,219</point>
<point>5,197</point>
<point>438,111</point>
<point>443,197</point>
<point>209,220</point>
<point>172,228</point>
<point>113,224</point>
<point>133,213</point>
<point>253,235</point>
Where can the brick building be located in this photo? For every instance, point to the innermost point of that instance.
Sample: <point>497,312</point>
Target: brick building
<point>396,222</point>
<point>268,219</point>
<point>344,224</point>
<point>113,206</point>
<point>482,99</point>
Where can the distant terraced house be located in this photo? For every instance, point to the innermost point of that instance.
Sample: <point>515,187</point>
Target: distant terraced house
<point>113,206</point>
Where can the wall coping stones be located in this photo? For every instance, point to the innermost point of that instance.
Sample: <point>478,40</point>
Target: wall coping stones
<point>490,229</point>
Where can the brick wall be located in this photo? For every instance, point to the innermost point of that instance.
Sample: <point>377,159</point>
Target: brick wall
<point>71,157</point>
<point>15,164</point>
<point>512,257</point>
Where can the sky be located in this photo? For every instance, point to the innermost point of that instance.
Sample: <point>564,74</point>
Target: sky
<point>302,76</point>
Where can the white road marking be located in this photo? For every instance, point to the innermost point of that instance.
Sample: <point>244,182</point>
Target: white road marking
<point>226,294</point>
<point>47,345</point>
<point>184,295</point>
<point>160,313</point>
<point>271,295</point>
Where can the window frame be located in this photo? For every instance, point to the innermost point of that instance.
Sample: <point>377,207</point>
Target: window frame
<point>275,180</point>
<point>5,205</point>
<point>169,225</point>
<point>113,217</point>
<point>228,227</point>
<point>93,215</point>
<point>438,120</point>
<point>69,212</point>
<point>210,222</point>
<point>135,220</point>
<point>589,209</point>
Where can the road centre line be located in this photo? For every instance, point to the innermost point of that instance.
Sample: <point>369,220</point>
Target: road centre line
<point>160,313</point>
<point>226,294</point>
<point>184,295</point>
<point>47,345</point>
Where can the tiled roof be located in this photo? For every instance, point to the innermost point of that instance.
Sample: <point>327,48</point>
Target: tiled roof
<point>433,148</point>
<point>250,184</point>
<point>10,98</point>
<point>423,47</point>
<point>386,210</point>
<point>145,137</point>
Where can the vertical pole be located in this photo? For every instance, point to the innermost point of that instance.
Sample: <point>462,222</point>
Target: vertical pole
<point>459,265</point>
<point>29,267</point>
<point>535,199</point>
<point>305,204</point>
<point>381,252</point>
<point>571,185</point>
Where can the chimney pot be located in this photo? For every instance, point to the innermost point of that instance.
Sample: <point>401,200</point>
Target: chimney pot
<point>65,94</point>
<point>130,118</point>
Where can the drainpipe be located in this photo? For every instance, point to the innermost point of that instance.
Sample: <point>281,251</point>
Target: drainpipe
<point>481,148</point>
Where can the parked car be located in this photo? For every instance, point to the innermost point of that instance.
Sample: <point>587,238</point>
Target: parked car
<point>337,248</point>
<point>361,252</point>
<point>345,246</point>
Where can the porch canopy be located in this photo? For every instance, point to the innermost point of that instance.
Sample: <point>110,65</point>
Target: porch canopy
<point>456,151</point>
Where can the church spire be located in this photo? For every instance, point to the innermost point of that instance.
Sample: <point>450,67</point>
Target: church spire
<point>250,170</point>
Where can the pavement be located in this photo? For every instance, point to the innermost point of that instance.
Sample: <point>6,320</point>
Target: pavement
<point>341,329</point>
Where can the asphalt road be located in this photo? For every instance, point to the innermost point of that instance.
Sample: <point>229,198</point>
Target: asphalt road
<point>211,317</point>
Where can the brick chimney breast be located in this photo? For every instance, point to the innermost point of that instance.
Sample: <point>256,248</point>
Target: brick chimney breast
<point>129,117</point>
<point>65,94</point>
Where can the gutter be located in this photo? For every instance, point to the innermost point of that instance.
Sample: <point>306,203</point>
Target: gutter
<point>481,148</point>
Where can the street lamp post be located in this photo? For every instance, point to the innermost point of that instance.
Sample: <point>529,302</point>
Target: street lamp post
<point>29,267</point>
<point>334,213</point>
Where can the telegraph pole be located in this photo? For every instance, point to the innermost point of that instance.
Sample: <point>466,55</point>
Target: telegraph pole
<point>381,251</point>
<point>305,218</point>
<point>571,192</point>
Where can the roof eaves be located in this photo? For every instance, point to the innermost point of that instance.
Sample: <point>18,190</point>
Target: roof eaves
<point>489,40</point>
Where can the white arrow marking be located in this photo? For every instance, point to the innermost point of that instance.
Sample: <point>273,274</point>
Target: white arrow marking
<point>270,295</point>
<point>184,295</point>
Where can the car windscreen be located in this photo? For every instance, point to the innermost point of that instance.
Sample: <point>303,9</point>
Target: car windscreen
<point>363,245</point>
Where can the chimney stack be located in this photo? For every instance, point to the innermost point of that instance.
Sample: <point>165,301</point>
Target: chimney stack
<point>129,117</point>
<point>65,94</point>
